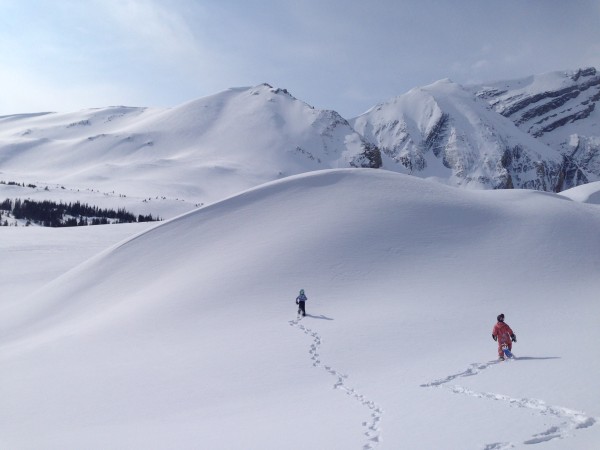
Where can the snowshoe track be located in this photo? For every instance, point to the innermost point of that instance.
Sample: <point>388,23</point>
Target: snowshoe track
<point>372,427</point>
<point>570,420</point>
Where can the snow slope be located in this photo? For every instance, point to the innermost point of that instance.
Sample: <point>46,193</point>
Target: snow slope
<point>200,151</point>
<point>34,256</point>
<point>587,193</point>
<point>185,336</point>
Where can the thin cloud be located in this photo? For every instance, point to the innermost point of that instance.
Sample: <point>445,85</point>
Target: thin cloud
<point>343,55</point>
<point>152,27</point>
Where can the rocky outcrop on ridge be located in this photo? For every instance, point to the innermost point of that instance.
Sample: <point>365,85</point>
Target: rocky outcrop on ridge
<point>560,110</point>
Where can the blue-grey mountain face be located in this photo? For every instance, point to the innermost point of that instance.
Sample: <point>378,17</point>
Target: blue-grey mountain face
<point>559,109</point>
<point>540,132</point>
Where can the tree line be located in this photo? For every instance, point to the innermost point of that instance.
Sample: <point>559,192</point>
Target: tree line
<point>51,214</point>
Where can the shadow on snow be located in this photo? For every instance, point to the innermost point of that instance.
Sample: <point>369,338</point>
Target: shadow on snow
<point>322,317</point>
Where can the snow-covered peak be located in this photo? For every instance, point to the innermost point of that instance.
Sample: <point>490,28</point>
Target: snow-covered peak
<point>444,131</point>
<point>502,91</point>
<point>201,150</point>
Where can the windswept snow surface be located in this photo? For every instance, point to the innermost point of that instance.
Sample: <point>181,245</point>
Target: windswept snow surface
<point>186,336</point>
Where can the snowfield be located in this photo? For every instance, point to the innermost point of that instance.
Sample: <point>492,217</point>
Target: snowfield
<point>184,334</point>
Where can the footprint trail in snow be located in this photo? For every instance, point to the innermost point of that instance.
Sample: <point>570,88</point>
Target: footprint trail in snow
<point>372,427</point>
<point>569,420</point>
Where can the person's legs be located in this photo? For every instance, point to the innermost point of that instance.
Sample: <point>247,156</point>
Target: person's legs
<point>508,344</point>
<point>500,351</point>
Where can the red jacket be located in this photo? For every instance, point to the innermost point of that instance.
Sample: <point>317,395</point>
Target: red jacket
<point>503,332</point>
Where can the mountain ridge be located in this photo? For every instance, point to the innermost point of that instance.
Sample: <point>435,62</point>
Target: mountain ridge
<point>475,136</point>
<point>202,150</point>
<point>559,109</point>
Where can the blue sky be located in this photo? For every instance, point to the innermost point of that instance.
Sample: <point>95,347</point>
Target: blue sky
<point>66,55</point>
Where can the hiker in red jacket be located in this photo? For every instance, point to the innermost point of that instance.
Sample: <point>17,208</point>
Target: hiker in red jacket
<point>504,335</point>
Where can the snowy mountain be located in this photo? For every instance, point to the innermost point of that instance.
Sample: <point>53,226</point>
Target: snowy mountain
<point>441,131</point>
<point>185,335</point>
<point>451,133</point>
<point>539,133</point>
<point>201,151</point>
<point>558,108</point>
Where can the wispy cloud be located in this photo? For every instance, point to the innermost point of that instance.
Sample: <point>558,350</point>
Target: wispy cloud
<point>339,54</point>
<point>151,26</point>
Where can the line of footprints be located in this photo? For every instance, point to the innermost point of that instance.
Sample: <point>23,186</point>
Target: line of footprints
<point>569,420</point>
<point>372,427</point>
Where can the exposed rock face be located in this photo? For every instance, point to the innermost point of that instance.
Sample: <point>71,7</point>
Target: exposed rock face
<point>446,132</point>
<point>559,109</point>
<point>542,132</point>
<point>369,158</point>
<point>545,111</point>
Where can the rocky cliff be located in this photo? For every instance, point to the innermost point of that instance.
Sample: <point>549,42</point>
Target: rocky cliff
<point>560,110</point>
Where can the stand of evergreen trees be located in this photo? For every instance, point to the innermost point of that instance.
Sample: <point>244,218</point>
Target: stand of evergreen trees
<point>52,214</point>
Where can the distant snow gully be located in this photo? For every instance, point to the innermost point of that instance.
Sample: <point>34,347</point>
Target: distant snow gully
<point>372,427</point>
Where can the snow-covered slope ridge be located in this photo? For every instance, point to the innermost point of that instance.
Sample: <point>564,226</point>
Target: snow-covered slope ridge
<point>586,193</point>
<point>558,108</point>
<point>180,337</point>
<point>444,131</point>
<point>532,103</point>
<point>201,151</point>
